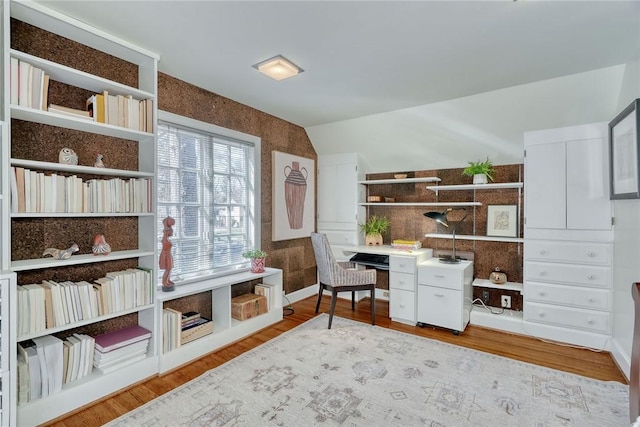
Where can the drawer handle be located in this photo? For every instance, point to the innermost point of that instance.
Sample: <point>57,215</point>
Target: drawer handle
<point>400,282</point>
<point>401,305</point>
<point>543,273</point>
<point>540,314</point>
<point>439,276</point>
<point>542,294</point>
<point>402,265</point>
<point>591,277</point>
<point>439,295</point>
<point>542,252</point>
<point>591,300</point>
<point>591,254</point>
<point>591,322</point>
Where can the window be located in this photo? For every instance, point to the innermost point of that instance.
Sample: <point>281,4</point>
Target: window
<point>208,181</point>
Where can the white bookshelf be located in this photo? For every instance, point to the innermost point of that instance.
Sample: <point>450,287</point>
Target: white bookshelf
<point>477,238</point>
<point>399,181</point>
<point>509,286</point>
<point>458,187</point>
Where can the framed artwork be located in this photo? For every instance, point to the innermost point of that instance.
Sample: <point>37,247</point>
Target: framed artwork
<point>502,220</point>
<point>293,203</point>
<point>624,156</point>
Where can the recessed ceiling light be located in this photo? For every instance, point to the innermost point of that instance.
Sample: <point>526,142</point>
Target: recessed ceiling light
<point>278,68</point>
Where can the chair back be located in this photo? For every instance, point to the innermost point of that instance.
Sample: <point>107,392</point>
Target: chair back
<point>326,262</point>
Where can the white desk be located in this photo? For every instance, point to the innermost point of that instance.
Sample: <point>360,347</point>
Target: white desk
<point>403,278</point>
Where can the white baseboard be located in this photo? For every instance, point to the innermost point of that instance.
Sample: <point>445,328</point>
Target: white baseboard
<point>509,320</point>
<point>622,359</point>
<point>303,293</point>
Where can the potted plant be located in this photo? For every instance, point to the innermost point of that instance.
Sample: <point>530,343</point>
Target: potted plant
<point>374,228</point>
<point>257,257</point>
<point>480,171</point>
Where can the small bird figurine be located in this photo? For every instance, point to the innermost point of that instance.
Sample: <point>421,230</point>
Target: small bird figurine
<point>67,157</point>
<point>100,245</point>
<point>99,163</point>
<point>61,253</point>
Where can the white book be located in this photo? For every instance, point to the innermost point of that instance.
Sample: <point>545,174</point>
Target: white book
<point>36,295</point>
<point>15,81</point>
<point>37,80</point>
<point>24,80</point>
<point>69,354</point>
<point>35,373</point>
<point>14,190</point>
<point>61,193</point>
<point>122,364</point>
<point>86,290</point>
<point>34,197</point>
<point>77,357</point>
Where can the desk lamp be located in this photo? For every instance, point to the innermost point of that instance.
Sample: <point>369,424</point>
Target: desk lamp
<point>441,218</point>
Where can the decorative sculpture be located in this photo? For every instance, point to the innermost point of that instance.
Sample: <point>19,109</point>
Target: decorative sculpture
<point>99,163</point>
<point>166,259</point>
<point>67,157</point>
<point>100,245</point>
<point>61,253</point>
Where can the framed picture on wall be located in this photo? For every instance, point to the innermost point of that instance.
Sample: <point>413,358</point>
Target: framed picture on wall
<point>624,159</point>
<point>293,203</point>
<point>502,220</point>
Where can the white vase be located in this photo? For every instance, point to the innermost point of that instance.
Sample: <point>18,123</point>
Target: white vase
<point>479,178</point>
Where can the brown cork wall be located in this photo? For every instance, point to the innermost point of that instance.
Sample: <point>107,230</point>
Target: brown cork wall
<point>294,257</point>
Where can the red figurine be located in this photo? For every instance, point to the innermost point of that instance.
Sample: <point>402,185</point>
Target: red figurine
<point>166,260</point>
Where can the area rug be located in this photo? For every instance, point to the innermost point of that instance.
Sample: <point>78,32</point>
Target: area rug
<point>361,375</point>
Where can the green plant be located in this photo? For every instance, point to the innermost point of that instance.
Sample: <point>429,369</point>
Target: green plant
<point>375,225</point>
<point>254,253</point>
<point>480,168</point>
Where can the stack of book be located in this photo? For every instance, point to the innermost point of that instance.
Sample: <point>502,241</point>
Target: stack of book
<point>407,245</point>
<point>171,329</point>
<point>121,110</point>
<point>194,326</point>
<point>115,350</point>
<point>29,85</point>
<point>266,291</point>
<point>67,111</point>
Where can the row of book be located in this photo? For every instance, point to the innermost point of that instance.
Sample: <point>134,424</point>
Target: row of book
<point>266,291</point>
<point>49,362</point>
<point>30,88</point>
<point>181,328</point>
<point>46,363</point>
<point>29,85</point>
<point>53,304</point>
<point>121,110</point>
<point>33,191</point>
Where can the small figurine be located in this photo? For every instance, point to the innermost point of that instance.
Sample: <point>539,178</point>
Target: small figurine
<point>100,245</point>
<point>166,259</point>
<point>61,253</point>
<point>67,157</point>
<point>99,163</point>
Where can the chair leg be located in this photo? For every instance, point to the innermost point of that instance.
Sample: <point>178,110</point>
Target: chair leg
<point>373,305</point>
<point>334,297</point>
<point>353,300</point>
<point>319,296</point>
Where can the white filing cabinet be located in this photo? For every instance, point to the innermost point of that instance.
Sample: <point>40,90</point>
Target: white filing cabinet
<point>402,289</point>
<point>444,294</point>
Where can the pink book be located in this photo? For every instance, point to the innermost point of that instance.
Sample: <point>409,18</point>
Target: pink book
<point>116,339</point>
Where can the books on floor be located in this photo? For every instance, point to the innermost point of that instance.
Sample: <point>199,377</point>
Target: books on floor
<point>120,348</point>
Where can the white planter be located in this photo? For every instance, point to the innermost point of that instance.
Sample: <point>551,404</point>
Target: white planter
<point>480,178</point>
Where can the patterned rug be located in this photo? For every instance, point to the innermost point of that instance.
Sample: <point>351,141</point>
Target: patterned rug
<point>361,375</point>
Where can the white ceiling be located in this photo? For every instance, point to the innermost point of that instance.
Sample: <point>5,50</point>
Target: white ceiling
<point>361,57</point>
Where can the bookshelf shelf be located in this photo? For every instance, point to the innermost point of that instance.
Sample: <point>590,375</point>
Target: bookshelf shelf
<point>494,186</point>
<point>436,204</point>
<point>399,181</point>
<point>87,137</point>
<point>478,238</point>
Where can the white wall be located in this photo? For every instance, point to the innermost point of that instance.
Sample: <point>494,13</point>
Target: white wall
<point>626,247</point>
<point>449,134</point>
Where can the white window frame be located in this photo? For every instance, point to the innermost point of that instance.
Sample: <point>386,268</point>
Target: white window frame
<point>222,132</point>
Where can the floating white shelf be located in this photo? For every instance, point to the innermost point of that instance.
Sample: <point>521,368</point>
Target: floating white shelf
<point>511,286</point>
<point>422,204</point>
<point>32,164</point>
<point>34,264</point>
<point>399,181</point>
<point>494,186</point>
<point>77,214</point>
<point>482,238</point>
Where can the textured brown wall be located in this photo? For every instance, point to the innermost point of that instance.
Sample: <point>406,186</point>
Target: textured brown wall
<point>294,257</point>
<point>410,223</point>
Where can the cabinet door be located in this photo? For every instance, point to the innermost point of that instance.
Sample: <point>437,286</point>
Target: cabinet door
<point>545,186</point>
<point>588,204</point>
<point>402,305</point>
<point>337,191</point>
<point>441,307</point>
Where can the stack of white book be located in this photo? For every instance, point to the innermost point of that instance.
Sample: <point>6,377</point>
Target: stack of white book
<point>117,349</point>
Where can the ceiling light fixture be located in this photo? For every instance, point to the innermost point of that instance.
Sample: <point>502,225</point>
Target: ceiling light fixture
<point>278,68</point>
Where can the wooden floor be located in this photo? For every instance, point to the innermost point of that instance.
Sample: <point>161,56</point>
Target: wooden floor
<point>598,365</point>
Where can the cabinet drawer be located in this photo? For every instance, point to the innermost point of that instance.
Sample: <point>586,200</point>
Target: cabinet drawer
<point>441,307</point>
<point>404,281</point>
<point>576,318</point>
<point>402,264</point>
<point>583,253</point>
<point>441,277</point>
<point>342,237</point>
<point>402,305</point>
<point>596,299</point>
<point>568,274</point>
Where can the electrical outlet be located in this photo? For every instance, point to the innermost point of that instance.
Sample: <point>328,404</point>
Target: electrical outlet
<point>385,294</point>
<point>485,297</point>
<point>505,301</point>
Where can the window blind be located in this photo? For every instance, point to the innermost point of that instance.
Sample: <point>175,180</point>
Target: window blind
<point>206,183</point>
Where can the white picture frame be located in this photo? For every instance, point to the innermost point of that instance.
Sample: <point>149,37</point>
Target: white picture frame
<point>293,203</point>
<point>502,220</point>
